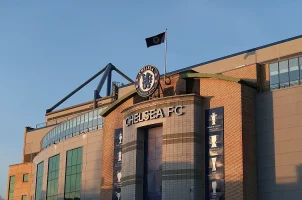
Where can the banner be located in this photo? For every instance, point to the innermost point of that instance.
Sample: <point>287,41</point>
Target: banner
<point>214,123</point>
<point>117,164</point>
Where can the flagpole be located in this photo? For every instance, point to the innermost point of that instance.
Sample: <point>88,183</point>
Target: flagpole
<point>165,67</point>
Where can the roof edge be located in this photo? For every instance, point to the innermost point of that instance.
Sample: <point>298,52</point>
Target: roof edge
<point>218,76</point>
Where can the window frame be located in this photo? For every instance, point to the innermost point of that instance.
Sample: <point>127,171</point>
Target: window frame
<point>25,175</point>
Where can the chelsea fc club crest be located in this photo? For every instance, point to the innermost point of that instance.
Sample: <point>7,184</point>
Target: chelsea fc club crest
<point>147,81</point>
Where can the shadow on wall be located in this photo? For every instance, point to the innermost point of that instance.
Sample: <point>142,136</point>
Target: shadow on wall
<point>277,180</point>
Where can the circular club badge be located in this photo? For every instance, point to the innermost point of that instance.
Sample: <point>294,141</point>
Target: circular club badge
<point>147,81</point>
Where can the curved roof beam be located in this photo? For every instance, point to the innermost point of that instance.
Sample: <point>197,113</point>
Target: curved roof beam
<point>218,76</point>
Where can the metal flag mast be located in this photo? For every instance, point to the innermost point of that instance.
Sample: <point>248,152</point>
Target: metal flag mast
<point>165,66</point>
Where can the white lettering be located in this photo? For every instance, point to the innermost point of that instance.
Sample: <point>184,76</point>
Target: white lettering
<point>177,110</point>
<point>153,114</point>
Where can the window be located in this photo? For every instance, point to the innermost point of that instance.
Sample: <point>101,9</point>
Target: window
<point>274,76</point>
<point>25,177</point>
<point>153,164</point>
<point>285,73</point>
<point>294,71</point>
<point>73,127</point>
<point>39,181</point>
<point>24,197</point>
<point>11,188</point>
<point>53,177</point>
<point>73,175</point>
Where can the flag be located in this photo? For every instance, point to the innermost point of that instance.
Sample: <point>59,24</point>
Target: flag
<point>156,39</point>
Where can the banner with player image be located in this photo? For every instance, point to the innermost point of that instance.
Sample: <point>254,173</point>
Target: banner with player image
<point>214,123</point>
<point>117,164</point>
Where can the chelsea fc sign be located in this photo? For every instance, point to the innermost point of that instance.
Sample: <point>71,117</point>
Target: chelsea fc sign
<point>147,81</point>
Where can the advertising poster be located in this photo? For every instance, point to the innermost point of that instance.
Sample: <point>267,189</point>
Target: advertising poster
<point>214,123</point>
<point>117,164</point>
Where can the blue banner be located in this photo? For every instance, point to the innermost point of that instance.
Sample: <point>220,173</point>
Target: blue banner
<point>117,164</point>
<point>214,123</point>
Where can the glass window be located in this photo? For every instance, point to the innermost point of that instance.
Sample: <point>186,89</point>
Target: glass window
<point>11,188</point>
<point>39,181</point>
<point>78,123</point>
<point>74,125</point>
<point>67,127</point>
<point>86,121</point>
<point>73,175</point>
<point>300,65</point>
<point>100,122</point>
<point>24,197</point>
<point>90,120</point>
<point>53,176</point>
<point>25,177</point>
<point>82,123</point>
<point>95,119</point>
<point>274,74</point>
<point>283,74</point>
<point>294,71</point>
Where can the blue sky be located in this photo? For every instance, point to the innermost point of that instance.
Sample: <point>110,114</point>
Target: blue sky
<point>47,48</point>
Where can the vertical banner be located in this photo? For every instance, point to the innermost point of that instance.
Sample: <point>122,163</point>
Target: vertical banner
<point>214,123</point>
<point>117,164</point>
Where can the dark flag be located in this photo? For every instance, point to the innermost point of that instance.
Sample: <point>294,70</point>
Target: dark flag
<point>156,40</point>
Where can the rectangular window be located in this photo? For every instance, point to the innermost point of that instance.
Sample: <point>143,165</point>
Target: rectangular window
<point>86,119</point>
<point>283,74</point>
<point>25,177</point>
<point>24,197</point>
<point>100,122</point>
<point>90,121</point>
<point>294,71</point>
<point>274,76</point>
<point>53,177</point>
<point>82,123</point>
<point>300,66</point>
<point>39,181</point>
<point>73,175</point>
<point>11,188</point>
<point>95,119</point>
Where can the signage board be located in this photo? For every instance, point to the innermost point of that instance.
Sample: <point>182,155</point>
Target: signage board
<point>117,164</point>
<point>214,123</point>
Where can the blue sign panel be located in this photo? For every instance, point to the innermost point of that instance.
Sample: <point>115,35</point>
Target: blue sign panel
<point>117,164</point>
<point>214,123</point>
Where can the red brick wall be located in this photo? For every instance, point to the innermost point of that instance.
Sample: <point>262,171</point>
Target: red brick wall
<point>112,121</point>
<point>239,137</point>
<point>248,73</point>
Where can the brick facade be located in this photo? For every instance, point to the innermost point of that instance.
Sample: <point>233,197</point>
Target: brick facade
<point>112,121</point>
<point>20,187</point>
<point>239,136</point>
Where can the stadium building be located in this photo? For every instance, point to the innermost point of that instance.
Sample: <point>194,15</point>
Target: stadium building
<point>229,128</point>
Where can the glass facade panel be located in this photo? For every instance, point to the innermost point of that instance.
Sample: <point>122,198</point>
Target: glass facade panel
<point>39,181</point>
<point>73,175</point>
<point>11,188</point>
<point>274,75</point>
<point>285,73</point>
<point>53,177</point>
<point>153,167</point>
<point>81,124</point>
<point>300,66</point>
<point>294,71</point>
<point>24,197</point>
